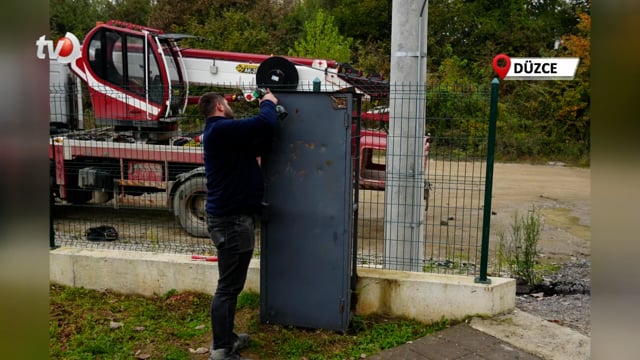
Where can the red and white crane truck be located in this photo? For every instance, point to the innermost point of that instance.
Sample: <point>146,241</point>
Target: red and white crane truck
<point>138,79</point>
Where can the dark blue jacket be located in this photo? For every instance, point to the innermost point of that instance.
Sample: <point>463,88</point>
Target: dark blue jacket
<point>235,183</point>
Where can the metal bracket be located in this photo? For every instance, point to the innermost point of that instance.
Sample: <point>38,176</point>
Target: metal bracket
<point>409,54</point>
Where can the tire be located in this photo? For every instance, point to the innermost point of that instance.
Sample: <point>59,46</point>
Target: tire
<point>189,206</point>
<point>78,196</point>
<point>54,189</point>
<point>75,194</point>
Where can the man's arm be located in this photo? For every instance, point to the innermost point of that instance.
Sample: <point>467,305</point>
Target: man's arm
<point>244,134</point>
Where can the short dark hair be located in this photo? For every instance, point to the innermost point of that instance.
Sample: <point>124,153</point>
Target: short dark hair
<point>208,103</point>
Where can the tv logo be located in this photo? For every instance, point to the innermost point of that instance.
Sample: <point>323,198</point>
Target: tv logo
<point>66,50</point>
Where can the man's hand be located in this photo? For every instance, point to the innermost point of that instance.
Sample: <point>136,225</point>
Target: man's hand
<point>269,96</point>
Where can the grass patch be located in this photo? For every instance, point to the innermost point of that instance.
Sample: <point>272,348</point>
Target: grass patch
<point>248,300</point>
<point>547,268</point>
<point>83,324</point>
<point>88,324</point>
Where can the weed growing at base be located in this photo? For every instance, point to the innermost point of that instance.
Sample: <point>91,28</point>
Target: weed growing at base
<point>519,249</point>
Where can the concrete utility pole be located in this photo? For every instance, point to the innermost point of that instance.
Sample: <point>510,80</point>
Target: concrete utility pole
<point>404,183</point>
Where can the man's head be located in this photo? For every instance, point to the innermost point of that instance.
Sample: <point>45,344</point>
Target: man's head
<point>212,104</point>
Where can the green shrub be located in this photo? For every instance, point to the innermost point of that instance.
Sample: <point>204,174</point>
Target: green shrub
<point>518,249</point>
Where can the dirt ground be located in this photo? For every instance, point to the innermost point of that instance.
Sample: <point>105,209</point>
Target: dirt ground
<point>563,196</point>
<point>454,219</point>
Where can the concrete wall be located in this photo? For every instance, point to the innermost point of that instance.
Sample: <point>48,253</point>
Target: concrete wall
<point>137,272</point>
<point>428,297</point>
<point>420,296</point>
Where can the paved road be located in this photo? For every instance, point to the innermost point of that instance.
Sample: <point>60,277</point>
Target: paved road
<point>516,335</point>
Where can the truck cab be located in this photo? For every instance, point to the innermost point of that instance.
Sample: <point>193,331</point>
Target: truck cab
<point>135,77</point>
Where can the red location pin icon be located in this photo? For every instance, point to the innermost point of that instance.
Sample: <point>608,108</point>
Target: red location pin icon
<point>501,70</point>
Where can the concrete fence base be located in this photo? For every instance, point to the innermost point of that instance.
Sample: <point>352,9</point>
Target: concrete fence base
<point>429,297</point>
<point>420,296</point>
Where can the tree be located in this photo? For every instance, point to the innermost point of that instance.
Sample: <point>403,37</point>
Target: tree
<point>171,15</point>
<point>77,16</point>
<point>133,11</point>
<point>551,119</point>
<point>368,21</point>
<point>80,16</point>
<point>538,118</point>
<point>321,39</point>
<point>478,30</point>
<point>579,45</point>
<point>258,26</point>
<point>574,115</point>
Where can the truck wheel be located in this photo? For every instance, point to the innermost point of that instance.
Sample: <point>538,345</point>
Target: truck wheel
<point>189,206</point>
<point>75,194</point>
<point>54,189</point>
<point>78,196</point>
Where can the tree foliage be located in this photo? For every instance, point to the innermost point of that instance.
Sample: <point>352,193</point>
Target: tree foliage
<point>76,16</point>
<point>538,119</point>
<point>133,11</point>
<point>321,39</point>
<point>551,119</point>
<point>257,26</point>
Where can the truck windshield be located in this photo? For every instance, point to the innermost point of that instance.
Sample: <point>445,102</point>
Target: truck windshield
<point>120,59</point>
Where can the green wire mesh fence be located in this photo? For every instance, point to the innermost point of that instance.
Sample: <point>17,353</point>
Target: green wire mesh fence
<point>124,190</point>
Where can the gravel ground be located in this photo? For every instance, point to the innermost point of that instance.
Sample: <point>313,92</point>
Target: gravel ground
<point>563,298</point>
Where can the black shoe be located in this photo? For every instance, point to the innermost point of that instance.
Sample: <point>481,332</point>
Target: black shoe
<point>225,354</point>
<point>242,341</point>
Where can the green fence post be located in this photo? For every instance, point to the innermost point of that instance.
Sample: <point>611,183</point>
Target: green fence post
<point>52,230</point>
<point>488,185</point>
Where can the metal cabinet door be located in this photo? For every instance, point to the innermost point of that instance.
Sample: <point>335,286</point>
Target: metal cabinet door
<point>306,241</point>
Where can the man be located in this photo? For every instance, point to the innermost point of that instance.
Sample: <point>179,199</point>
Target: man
<point>235,190</point>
